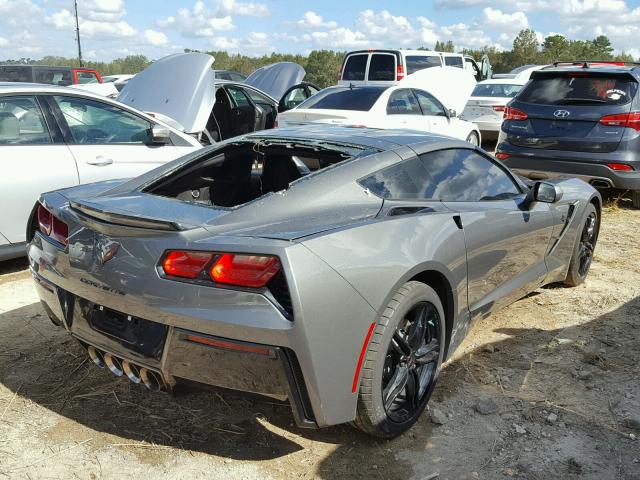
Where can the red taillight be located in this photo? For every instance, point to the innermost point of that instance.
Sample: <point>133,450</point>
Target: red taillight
<point>511,113</point>
<point>631,120</point>
<point>502,156</point>
<point>44,220</point>
<point>240,347</point>
<point>52,226</point>
<point>621,167</point>
<point>184,264</point>
<point>400,72</point>
<point>498,108</point>
<point>60,231</point>
<point>244,270</point>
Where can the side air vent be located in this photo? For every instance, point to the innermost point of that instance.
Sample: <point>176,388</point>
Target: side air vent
<point>409,210</point>
<point>280,291</point>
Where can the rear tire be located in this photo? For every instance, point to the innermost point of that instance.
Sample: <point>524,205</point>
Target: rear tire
<point>402,362</point>
<point>635,198</point>
<point>473,139</point>
<point>584,247</point>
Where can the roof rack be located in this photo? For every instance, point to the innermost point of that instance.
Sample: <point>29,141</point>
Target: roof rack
<point>589,63</point>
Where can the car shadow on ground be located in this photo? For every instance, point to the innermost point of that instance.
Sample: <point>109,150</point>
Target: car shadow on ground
<point>41,363</point>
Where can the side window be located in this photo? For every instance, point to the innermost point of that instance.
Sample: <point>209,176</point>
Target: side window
<point>407,180</point>
<point>92,122</point>
<point>403,102</point>
<point>294,98</point>
<point>472,64</point>
<point>461,175</point>
<point>420,62</point>
<point>239,97</point>
<point>453,62</point>
<point>429,104</point>
<point>257,97</point>
<point>453,175</point>
<point>10,73</point>
<point>52,77</point>
<point>382,67</point>
<point>86,77</point>
<point>355,66</point>
<point>22,122</point>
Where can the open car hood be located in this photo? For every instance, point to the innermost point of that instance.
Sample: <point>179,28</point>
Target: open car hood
<point>179,86</point>
<point>276,79</point>
<point>451,85</point>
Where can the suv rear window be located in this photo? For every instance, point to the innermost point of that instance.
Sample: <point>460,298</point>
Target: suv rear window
<point>15,74</point>
<point>344,98</point>
<point>496,90</point>
<point>579,90</point>
<point>355,67</point>
<point>420,62</point>
<point>453,62</point>
<point>382,67</point>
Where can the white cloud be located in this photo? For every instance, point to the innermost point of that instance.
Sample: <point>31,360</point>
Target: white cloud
<point>155,38</point>
<point>231,7</point>
<point>496,19</point>
<point>3,41</point>
<point>311,20</point>
<point>200,21</point>
<point>110,26</point>
<point>254,44</point>
<point>102,10</point>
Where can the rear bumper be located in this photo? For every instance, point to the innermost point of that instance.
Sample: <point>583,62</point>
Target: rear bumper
<point>175,353</point>
<point>597,174</point>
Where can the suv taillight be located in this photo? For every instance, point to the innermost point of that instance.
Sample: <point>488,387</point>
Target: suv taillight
<point>244,270</point>
<point>400,72</point>
<point>51,226</point>
<point>630,120</point>
<point>511,113</point>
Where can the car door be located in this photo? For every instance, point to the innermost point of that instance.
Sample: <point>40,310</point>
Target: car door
<point>506,238</point>
<point>296,95</point>
<point>243,112</point>
<point>435,113</point>
<point>403,111</point>
<point>34,160</point>
<point>107,141</point>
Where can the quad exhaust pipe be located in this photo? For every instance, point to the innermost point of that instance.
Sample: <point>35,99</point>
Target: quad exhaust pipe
<point>119,367</point>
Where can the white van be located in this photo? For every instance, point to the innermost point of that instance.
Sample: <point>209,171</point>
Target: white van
<point>391,66</point>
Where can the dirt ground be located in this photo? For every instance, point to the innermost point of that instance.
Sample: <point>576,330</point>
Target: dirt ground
<point>547,388</point>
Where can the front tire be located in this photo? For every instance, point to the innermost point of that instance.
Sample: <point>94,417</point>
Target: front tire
<point>402,362</point>
<point>473,139</point>
<point>584,247</point>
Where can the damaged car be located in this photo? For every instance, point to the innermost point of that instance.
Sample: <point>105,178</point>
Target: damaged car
<point>335,267</point>
<point>184,91</point>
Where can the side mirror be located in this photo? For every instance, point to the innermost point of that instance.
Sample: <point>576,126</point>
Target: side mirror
<point>160,135</point>
<point>451,113</point>
<point>545,192</point>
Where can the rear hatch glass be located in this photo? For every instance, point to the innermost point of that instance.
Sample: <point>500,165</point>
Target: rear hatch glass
<point>382,67</point>
<point>344,98</point>
<point>355,67</point>
<point>564,111</point>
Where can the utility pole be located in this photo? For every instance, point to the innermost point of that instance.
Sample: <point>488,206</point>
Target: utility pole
<point>75,6</point>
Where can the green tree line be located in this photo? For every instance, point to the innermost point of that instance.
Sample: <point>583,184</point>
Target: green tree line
<point>323,66</point>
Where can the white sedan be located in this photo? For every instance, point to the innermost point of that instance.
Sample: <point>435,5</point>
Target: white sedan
<point>401,106</point>
<point>55,137</point>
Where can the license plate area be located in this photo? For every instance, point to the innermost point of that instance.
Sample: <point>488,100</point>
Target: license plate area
<point>136,335</point>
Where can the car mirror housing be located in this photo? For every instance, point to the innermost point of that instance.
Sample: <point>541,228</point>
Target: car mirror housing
<point>160,135</point>
<point>546,192</point>
<point>451,113</point>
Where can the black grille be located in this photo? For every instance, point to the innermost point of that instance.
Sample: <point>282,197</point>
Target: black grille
<point>280,291</point>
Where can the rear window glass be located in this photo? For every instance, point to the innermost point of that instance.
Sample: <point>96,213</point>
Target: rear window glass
<point>570,90</point>
<point>344,98</point>
<point>420,62</point>
<point>355,67</point>
<point>496,90</point>
<point>453,62</point>
<point>53,76</point>
<point>15,74</point>
<point>382,67</point>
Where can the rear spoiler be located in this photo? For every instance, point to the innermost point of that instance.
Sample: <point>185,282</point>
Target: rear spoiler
<point>551,72</point>
<point>124,220</point>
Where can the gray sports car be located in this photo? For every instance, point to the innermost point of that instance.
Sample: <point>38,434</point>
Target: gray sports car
<point>335,267</point>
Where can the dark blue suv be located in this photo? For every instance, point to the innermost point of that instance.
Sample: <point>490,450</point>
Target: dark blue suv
<point>580,120</point>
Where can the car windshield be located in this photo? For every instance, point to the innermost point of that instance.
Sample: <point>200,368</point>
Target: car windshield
<point>579,89</point>
<point>344,98</point>
<point>496,90</point>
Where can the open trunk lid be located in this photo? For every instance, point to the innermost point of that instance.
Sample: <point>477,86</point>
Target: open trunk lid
<point>180,86</point>
<point>564,111</point>
<point>277,78</point>
<point>451,85</point>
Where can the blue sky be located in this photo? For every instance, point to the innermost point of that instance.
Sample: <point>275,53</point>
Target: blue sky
<point>116,28</point>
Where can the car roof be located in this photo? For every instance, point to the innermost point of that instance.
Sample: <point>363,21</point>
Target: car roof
<point>366,137</point>
<point>599,68</point>
<point>35,88</point>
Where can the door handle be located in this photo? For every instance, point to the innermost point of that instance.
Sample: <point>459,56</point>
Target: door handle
<point>100,161</point>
